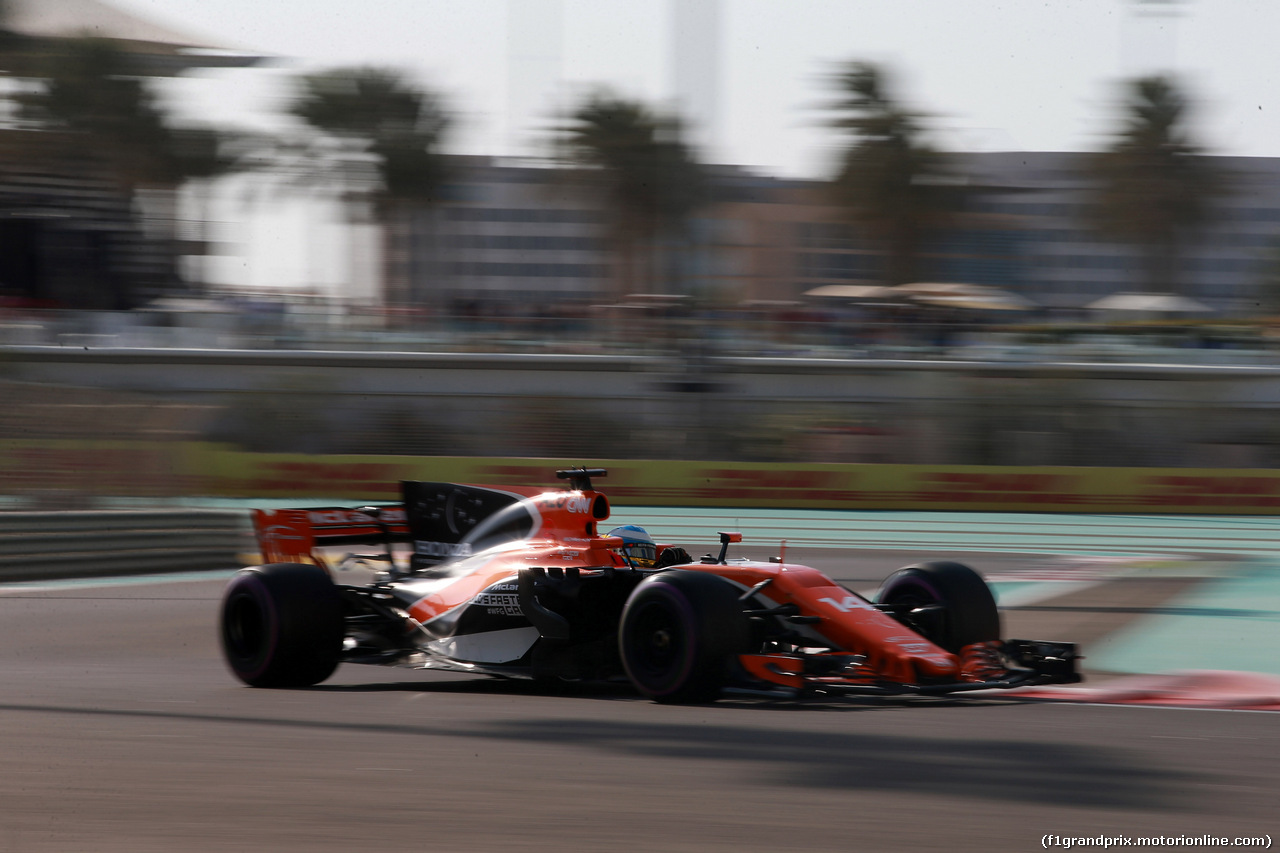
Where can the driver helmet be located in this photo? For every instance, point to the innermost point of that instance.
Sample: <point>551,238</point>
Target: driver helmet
<point>638,548</point>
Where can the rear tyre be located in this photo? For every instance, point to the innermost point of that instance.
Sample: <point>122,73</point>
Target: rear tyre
<point>282,625</point>
<point>680,633</point>
<point>958,608</point>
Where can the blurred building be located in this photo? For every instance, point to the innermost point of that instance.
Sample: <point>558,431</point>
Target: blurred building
<point>520,234</point>
<point>69,238</point>
<point>1024,224</point>
<point>533,235</point>
<point>70,235</point>
<point>1060,259</point>
<point>539,236</point>
<point>507,235</point>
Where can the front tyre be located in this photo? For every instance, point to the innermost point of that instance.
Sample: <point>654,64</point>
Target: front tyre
<point>680,632</point>
<point>949,604</point>
<point>282,625</point>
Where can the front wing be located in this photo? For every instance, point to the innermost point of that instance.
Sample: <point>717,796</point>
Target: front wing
<point>997,665</point>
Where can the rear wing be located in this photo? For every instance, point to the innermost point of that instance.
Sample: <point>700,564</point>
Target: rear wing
<point>293,535</point>
<point>437,518</point>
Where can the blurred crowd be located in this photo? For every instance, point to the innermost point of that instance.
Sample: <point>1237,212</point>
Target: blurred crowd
<point>759,330</point>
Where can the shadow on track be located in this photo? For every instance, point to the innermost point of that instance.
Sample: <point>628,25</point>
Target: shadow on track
<point>978,766</point>
<point>620,690</point>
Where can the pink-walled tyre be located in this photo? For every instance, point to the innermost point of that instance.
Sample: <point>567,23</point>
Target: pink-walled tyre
<point>681,631</point>
<point>947,603</point>
<point>282,625</point>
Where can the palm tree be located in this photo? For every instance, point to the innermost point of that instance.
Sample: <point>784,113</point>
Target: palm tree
<point>1154,184</point>
<point>890,179</point>
<point>97,116</point>
<point>94,93</point>
<point>380,137</point>
<point>648,174</point>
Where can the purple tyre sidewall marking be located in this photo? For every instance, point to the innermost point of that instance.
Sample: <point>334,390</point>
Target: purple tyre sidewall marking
<point>251,585</point>
<point>915,582</point>
<point>684,608</point>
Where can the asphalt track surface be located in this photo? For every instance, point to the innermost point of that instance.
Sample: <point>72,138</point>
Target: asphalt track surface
<point>121,730</point>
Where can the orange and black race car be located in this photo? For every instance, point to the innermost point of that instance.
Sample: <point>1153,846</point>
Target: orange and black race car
<point>519,582</point>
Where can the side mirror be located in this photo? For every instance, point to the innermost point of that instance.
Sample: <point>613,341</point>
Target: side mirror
<point>727,537</point>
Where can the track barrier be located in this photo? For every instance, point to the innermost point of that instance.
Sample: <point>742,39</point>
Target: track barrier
<point>38,545</point>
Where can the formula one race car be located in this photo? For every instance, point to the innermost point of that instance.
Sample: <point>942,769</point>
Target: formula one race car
<point>518,582</point>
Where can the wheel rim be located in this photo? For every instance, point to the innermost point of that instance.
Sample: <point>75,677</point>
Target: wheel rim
<point>932,624</point>
<point>656,641</point>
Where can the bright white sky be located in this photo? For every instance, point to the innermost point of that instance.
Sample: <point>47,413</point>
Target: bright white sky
<point>993,74</point>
